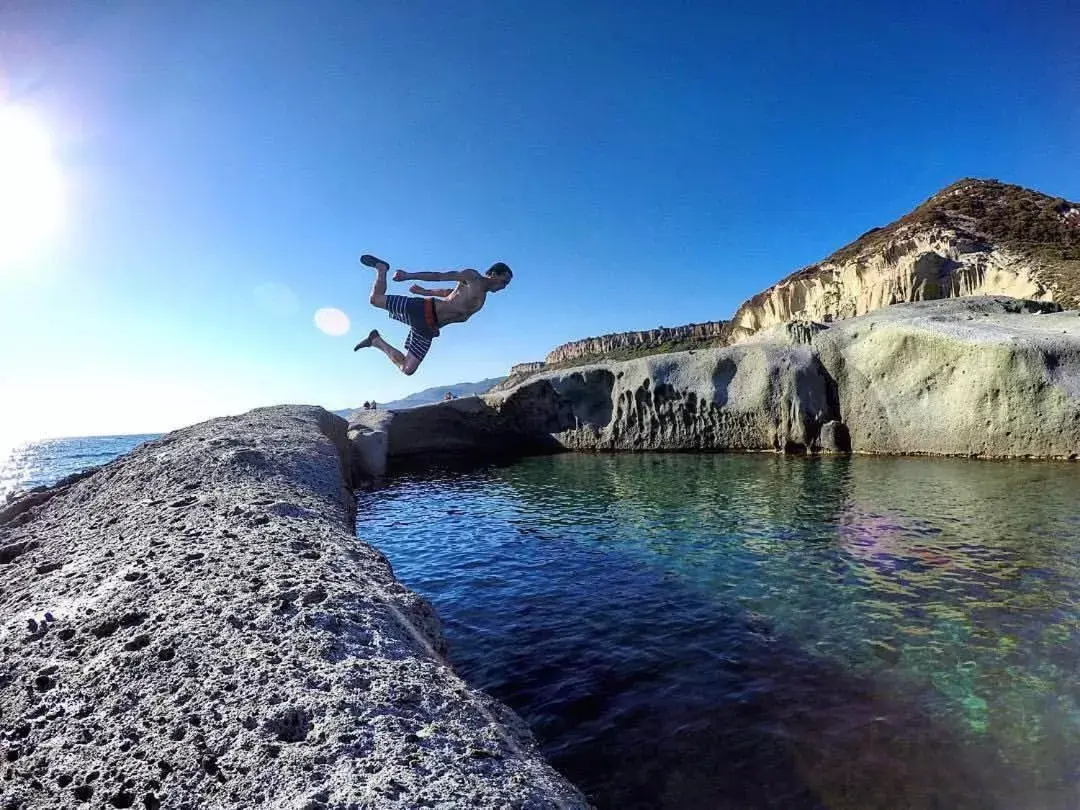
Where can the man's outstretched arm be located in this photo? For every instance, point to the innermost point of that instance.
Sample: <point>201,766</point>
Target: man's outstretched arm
<point>450,275</point>
<point>416,289</point>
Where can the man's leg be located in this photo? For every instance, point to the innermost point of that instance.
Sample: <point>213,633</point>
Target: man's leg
<point>378,289</point>
<point>417,345</point>
<point>396,357</point>
<point>408,363</point>
<point>376,340</point>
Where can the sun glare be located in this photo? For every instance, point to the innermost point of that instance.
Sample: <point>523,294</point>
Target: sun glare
<point>30,187</point>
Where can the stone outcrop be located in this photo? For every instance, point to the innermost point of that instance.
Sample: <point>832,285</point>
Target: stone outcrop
<point>518,374</point>
<point>759,397</point>
<point>196,625</point>
<point>984,376</point>
<point>975,237</point>
<point>520,369</point>
<point>597,347</point>
<point>754,397</point>
<point>370,437</point>
<point>469,427</point>
<point>919,265</point>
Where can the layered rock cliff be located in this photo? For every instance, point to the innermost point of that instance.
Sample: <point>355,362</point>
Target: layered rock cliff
<point>975,237</point>
<point>526,368</point>
<point>196,625</point>
<point>984,376</point>
<point>646,339</point>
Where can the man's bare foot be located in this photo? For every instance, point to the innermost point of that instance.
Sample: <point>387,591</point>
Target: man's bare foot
<point>368,341</point>
<point>374,261</point>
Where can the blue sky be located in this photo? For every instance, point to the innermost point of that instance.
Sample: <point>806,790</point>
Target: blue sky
<point>637,164</point>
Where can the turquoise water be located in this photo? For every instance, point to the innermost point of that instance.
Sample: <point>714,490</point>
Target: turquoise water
<point>45,462</point>
<point>761,631</point>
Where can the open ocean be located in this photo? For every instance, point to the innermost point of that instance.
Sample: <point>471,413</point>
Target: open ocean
<point>45,462</point>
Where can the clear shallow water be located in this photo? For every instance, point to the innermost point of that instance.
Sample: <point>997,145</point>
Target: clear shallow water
<point>45,462</point>
<point>759,631</point>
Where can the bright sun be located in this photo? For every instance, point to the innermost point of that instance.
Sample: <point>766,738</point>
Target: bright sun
<point>31,201</point>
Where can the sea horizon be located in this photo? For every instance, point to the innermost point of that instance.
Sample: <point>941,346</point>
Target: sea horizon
<point>43,462</point>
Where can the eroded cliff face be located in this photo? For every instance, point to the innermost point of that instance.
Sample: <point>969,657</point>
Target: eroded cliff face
<point>599,346</point>
<point>986,377</point>
<point>983,376</point>
<point>772,397</point>
<point>976,237</point>
<point>918,265</point>
<point>979,376</point>
<point>763,397</point>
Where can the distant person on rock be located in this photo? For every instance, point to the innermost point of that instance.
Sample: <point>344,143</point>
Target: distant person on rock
<point>425,315</point>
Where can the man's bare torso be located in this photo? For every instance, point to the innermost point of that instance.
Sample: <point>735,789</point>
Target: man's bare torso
<point>465,301</point>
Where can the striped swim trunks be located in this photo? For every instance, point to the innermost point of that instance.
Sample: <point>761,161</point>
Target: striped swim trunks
<point>419,314</point>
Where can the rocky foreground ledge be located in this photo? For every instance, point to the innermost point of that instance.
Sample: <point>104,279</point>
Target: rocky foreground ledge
<point>989,377</point>
<point>196,626</point>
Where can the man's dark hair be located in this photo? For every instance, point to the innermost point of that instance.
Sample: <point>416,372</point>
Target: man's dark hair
<point>500,269</point>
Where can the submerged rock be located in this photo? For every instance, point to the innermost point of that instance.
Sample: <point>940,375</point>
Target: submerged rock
<point>196,625</point>
<point>834,438</point>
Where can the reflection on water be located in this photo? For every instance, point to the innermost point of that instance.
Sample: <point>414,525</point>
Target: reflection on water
<point>43,463</point>
<point>761,631</point>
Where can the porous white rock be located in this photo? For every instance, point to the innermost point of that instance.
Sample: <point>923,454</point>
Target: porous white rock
<point>980,376</point>
<point>196,626</point>
<point>987,377</point>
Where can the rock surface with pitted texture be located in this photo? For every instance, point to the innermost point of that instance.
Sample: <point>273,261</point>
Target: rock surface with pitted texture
<point>196,626</point>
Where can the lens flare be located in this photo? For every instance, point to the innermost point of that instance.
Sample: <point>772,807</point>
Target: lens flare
<point>332,321</point>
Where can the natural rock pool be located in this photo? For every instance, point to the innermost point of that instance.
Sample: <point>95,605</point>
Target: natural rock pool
<point>728,631</point>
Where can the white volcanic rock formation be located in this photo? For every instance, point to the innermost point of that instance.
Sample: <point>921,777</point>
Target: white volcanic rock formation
<point>976,237</point>
<point>984,376</point>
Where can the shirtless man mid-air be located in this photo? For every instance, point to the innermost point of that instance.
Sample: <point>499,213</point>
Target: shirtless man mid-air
<point>425,315</point>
